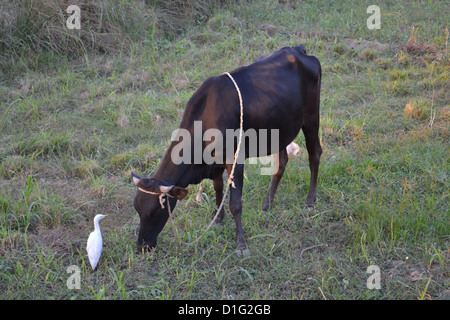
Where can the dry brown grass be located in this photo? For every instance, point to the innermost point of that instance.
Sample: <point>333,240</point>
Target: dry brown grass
<point>40,26</point>
<point>414,110</point>
<point>107,26</point>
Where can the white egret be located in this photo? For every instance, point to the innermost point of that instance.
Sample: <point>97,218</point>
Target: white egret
<point>95,242</point>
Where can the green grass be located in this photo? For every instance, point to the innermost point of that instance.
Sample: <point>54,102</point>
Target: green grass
<point>73,128</point>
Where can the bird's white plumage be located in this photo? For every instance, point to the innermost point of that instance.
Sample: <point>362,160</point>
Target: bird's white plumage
<point>95,242</point>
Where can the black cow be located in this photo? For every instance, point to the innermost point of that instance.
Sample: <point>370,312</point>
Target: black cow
<point>280,91</point>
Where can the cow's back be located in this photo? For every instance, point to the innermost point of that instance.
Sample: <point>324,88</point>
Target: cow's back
<point>279,92</point>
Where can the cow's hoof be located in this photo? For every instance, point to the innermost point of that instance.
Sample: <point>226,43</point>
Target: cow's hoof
<point>266,204</point>
<point>310,206</point>
<point>219,219</point>
<point>242,253</point>
<point>143,249</point>
<point>311,201</point>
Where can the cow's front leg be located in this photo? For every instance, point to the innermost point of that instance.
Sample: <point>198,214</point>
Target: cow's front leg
<point>218,188</point>
<point>236,208</point>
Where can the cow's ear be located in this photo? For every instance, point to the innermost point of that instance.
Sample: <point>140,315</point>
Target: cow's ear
<point>178,192</point>
<point>145,183</point>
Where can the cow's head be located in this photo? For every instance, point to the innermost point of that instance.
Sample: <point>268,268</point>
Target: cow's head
<point>148,204</point>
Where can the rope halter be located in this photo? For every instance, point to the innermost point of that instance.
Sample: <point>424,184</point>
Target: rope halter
<point>164,193</point>
<point>161,195</point>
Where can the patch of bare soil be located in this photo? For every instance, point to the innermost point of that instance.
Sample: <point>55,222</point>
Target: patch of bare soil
<point>358,45</point>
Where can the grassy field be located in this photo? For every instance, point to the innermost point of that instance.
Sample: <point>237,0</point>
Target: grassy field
<point>78,116</point>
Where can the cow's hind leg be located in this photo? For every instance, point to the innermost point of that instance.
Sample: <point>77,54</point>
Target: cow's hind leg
<point>236,208</point>
<point>282,161</point>
<point>311,131</point>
